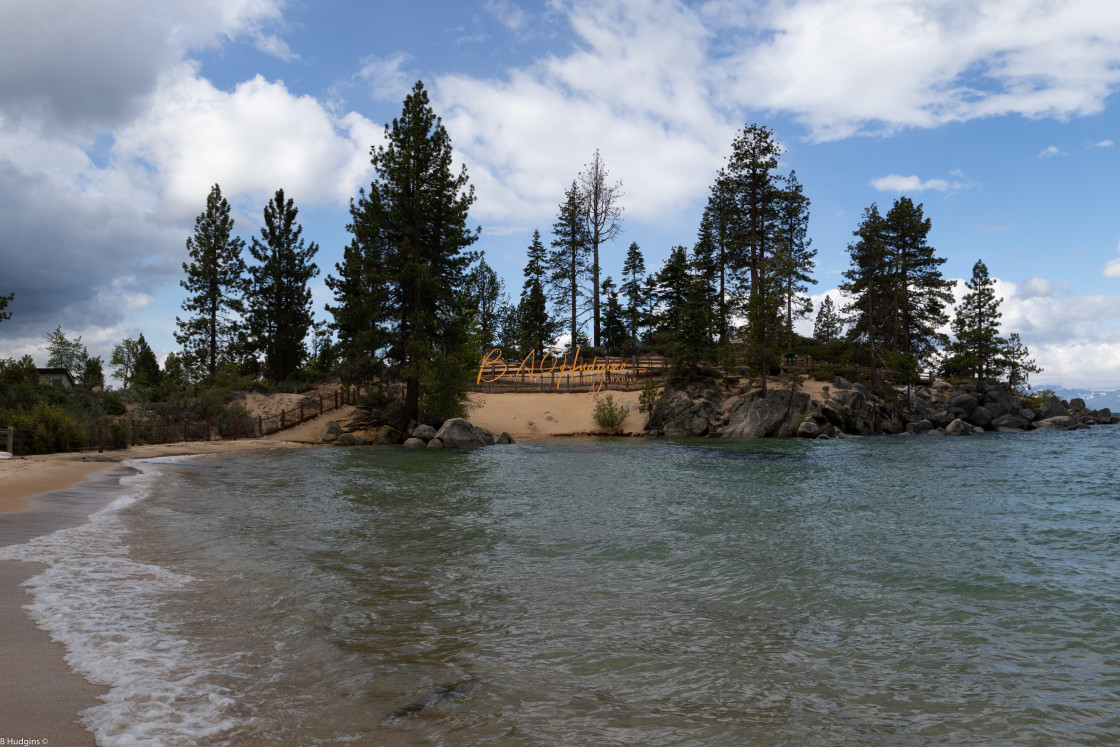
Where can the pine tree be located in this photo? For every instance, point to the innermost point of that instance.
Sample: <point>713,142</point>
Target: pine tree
<point>978,350</point>
<point>4,304</point>
<point>536,326</point>
<point>62,352</point>
<point>793,257</point>
<point>417,212</point>
<point>486,295</point>
<point>919,294</point>
<point>363,293</point>
<point>614,333</point>
<point>123,361</point>
<point>569,259</point>
<point>278,298</point>
<point>146,372</point>
<point>829,326</point>
<point>1018,365</point>
<point>751,184</point>
<point>674,283</point>
<point>633,270</point>
<point>868,285</point>
<point>720,237</point>
<point>214,277</point>
<point>602,218</point>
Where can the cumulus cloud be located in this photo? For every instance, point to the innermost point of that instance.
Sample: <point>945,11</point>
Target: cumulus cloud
<point>509,14</point>
<point>1051,151</point>
<point>385,77</point>
<point>846,68</point>
<point>1112,267</point>
<point>1104,144</point>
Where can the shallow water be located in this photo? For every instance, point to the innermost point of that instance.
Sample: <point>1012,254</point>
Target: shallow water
<point>880,590</point>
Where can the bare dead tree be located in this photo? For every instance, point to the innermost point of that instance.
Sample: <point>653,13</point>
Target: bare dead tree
<point>603,217</point>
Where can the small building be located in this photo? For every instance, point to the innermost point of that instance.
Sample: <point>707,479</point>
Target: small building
<point>60,377</point>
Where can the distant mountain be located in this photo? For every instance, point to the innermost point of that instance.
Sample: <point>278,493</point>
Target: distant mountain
<point>1094,399</point>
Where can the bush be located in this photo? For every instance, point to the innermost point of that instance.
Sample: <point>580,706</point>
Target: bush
<point>647,400</point>
<point>118,435</point>
<point>52,429</point>
<point>610,415</point>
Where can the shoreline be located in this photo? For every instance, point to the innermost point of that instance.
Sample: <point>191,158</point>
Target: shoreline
<point>41,697</point>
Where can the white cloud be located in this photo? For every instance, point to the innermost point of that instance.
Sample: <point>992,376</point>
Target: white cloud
<point>845,68</point>
<point>1104,144</point>
<point>1112,267</point>
<point>509,14</point>
<point>898,183</point>
<point>251,141</point>
<point>385,78</point>
<point>1051,151</point>
<point>1042,288</point>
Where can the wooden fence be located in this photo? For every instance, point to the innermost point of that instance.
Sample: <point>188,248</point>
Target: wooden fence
<point>597,374</point>
<point>120,433</point>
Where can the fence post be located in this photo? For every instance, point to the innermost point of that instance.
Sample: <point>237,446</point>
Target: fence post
<point>132,433</point>
<point>209,434</point>
<point>11,440</point>
<point>161,430</point>
<point>100,439</point>
<point>236,420</point>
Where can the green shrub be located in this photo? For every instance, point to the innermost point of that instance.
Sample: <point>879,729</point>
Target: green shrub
<point>610,415</point>
<point>113,405</point>
<point>647,400</point>
<point>52,429</point>
<point>118,435</point>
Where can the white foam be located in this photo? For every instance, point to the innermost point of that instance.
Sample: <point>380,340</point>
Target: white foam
<point>105,608</point>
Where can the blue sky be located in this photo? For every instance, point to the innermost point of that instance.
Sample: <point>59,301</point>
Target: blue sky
<point>1000,116</point>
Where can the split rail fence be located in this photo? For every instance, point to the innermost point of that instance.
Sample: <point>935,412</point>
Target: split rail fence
<point>597,374</point>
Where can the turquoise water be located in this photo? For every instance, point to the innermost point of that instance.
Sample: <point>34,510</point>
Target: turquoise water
<point>883,590</point>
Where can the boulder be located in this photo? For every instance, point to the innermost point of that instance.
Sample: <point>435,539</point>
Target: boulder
<point>1028,414</point>
<point>681,413</point>
<point>857,387</point>
<point>487,436</point>
<point>1057,423</point>
<point>958,428</point>
<point>424,432</point>
<point>1052,408</point>
<point>331,432</point>
<point>774,414</point>
<point>458,433</point>
<point>505,438</point>
<point>435,443</point>
<point>414,443</point>
<point>1010,422</point>
<point>808,429</point>
<point>841,383</point>
<point>349,439</point>
<point>965,402</point>
<point>980,417</point>
<point>386,435</point>
<point>1076,404</point>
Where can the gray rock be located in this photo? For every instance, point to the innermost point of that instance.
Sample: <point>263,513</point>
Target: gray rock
<point>758,416</point>
<point>924,426</point>
<point>387,435</point>
<point>414,443</point>
<point>841,383</point>
<point>808,429</point>
<point>857,387</point>
<point>331,432</point>
<point>1010,422</point>
<point>681,413</point>
<point>1028,414</point>
<point>958,428</point>
<point>505,438</point>
<point>1057,423</point>
<point>487,436</point>
<point>435,443</point>
<point>980,417</point>
<point>1052,408</point>
<point>349,439</point>
<point>966,403</point>
<point>458,433</point>
<point>425,432</point>
<point>940,385</point>
<point>1076,404</point>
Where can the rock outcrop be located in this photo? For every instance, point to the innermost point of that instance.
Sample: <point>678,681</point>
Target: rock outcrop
<point>851,409</point>
<point>458,433</point>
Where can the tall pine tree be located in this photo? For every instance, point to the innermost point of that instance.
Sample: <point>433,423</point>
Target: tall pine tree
<point>602,216</point>
<point>869,287</point>
<point>793,256</point>
<point>486,294</point>
<point>537,327</point>
<point>978,350</point>
<point>633,270</point>
<point>278,299</point>
<point>569,260</point>
<point>214,280</point>
<point>415,218</point>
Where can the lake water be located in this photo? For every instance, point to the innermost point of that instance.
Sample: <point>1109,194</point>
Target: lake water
<point>892,590</point>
